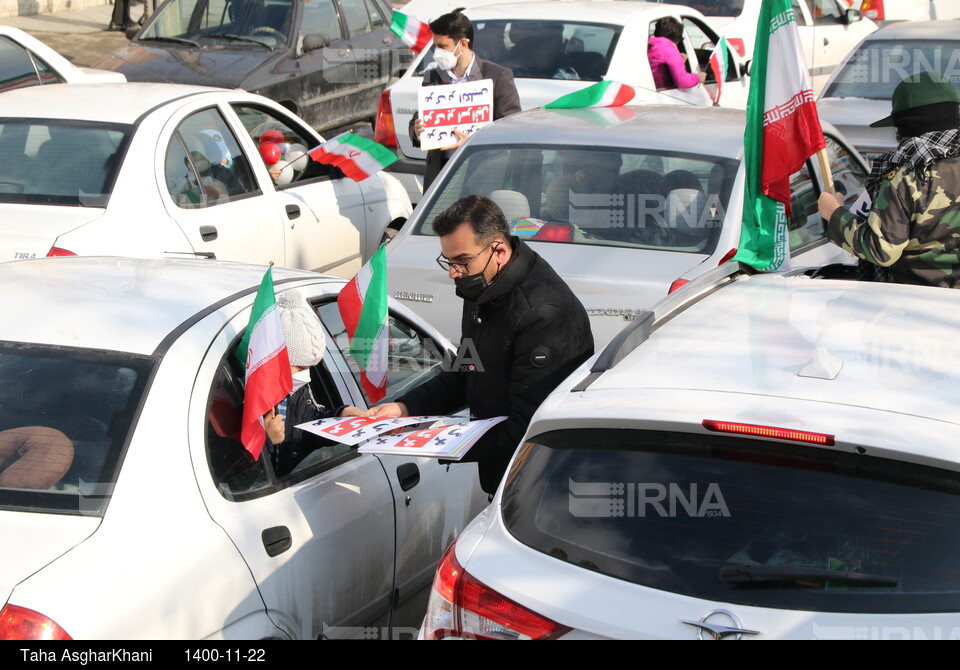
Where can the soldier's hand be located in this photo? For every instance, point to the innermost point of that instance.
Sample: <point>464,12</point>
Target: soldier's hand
<point>828,203</point>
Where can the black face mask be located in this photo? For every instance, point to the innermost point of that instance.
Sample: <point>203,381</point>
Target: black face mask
<point>471,287</point>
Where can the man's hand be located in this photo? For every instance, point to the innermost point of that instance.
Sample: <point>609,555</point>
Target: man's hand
<point>828,203</point>
<point>418,128</point>
<point>388,410</point>
<point>462,138</point>
<point>273,423</point>
<point>350,410</point>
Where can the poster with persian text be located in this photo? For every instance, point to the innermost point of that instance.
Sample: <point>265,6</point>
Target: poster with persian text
<point>466,107</point>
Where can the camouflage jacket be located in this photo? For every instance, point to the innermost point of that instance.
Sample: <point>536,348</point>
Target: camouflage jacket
<point>914,227</point>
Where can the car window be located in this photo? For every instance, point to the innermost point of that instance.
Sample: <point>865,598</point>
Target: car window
<point>357,17</point>
<point>597,197</point>
<point>703,45</point>
<point>413,357</point>
<point>60,162</point>
<point>204,165</point>
<point>849,176</point>
<point>254,24</point>
<point>679,512</point>
<point>65,416</point>
<point>877,66</point>
<point>292,144</point>
<point>376,18</point>
<point>20,67</point>
<point>826,12</point>
<point>320,18</point>
<point>806,226</point>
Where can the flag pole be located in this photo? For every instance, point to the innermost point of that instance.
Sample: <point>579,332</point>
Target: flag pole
<point>825,171</point>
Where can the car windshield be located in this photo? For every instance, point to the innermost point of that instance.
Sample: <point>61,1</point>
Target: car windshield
<point>254,23</point>
<point>596,196</point>
<point>875,68</point>
<point>59,162</point>
<point>543,49</point>
<point>65,416</point>
<point>736,520</point>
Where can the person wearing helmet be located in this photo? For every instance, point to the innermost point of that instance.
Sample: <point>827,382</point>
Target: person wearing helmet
<point>912,228</point>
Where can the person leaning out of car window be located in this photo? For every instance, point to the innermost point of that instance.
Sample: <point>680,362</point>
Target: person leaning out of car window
<point>305,346</point>
<point>667,62</point>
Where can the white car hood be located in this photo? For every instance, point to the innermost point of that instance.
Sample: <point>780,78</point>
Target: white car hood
<point>34,540</point>
<point>30,230</point>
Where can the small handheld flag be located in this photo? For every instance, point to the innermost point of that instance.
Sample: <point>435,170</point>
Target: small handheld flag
<point>414,33</point>
<point>357,156</point>
<point>363,308</point>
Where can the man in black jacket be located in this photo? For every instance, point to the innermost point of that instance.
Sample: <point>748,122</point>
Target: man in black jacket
<point>456,63</point>
<point>521,323</point>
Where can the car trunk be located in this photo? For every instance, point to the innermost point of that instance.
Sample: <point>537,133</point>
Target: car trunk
<point>31,230</point>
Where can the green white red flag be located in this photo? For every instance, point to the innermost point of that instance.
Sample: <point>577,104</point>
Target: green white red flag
<point>783,130</point>
<point>263,351</point>
<point>415,33</point>
<point>363,308</point>
<point>357,156</point>
<point>719,60</point>
<point>601,94</point>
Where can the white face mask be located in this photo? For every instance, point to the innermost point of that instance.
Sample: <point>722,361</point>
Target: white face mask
<point>300,379</point>
<point>446,60</point>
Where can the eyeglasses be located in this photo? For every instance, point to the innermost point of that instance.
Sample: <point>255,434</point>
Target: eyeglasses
<point>460,268</point>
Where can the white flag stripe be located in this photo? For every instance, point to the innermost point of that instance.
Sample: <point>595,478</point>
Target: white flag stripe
<point>785,57</point>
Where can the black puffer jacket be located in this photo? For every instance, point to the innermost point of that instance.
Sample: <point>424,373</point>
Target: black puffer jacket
<point>527,332</point>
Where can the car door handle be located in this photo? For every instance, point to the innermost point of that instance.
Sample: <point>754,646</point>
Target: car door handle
<point>387,40</point>
<point>826,41</point>
<point>293,211</point>
<point>208,233</point>
<point>409,475</point>
<point>276,540</point>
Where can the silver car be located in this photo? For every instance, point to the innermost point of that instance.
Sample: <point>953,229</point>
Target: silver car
<point>624,203</point>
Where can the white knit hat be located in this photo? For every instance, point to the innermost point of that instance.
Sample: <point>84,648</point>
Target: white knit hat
<point>302,329</point>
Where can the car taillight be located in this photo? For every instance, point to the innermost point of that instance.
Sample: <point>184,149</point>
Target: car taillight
<point>678,283</point>
<point>57,251</point>
<point>554,232</point>
<point>873,9</point>
<point>19,623</point>
<point>460,606</point>
<point>385,133</point>
<point>769,431</point>
<point>738,44</point>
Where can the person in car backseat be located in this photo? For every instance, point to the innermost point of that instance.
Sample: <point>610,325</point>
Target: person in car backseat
<point>521,323</point>
<point>666,60</point>
<point>456,63</point>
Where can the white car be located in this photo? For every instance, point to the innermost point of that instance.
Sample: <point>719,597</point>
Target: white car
<point>625,204</point>
<point>135,512</point>
<point>759,457</point>
<point>163,170</point>
<point>909,10</point>
<point>555,49</point>
<point>828,29</point>
<point>26,61</point>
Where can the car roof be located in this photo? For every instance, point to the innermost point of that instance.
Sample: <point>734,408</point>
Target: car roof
<point>916,30</point>
<point>587,11</point>
<point>111,103</point>
<point>687,129</point>
<point>121,304</point>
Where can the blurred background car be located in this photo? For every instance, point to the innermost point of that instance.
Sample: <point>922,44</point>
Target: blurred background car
<point>325,60</point>
<point>909,10</point>
<point>556,49</point>
<point>625,204</point>
<point>759,457</point>
<point>137,512</point>
<point>861,89</point>
<point>828,29</point>
<point>163,170</point>
<point>26,61</point>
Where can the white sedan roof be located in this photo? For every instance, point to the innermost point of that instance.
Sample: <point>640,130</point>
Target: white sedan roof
<point>587,11</point>
<point>111,103</point>
<point>121,304</point>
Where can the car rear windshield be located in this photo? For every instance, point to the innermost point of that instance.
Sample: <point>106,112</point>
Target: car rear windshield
<point>65,416</point>
<point>544,49</point>
<point>59,162</point>
<point>741,521</point>
<point>597,196</point>
<point>875,68</point>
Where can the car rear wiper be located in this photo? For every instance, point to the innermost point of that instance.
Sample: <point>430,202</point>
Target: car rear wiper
<point>794,573</point>
<point>179,40</point>
<point>239,38</point>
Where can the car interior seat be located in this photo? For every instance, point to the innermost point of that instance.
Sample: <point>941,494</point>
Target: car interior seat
<point>33,457</point>
<point>513,204</point>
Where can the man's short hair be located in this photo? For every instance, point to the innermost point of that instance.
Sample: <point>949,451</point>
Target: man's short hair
<point>483,215</point>
<point>454,25</point>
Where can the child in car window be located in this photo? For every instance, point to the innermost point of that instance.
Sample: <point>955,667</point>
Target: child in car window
<point>666,59</point>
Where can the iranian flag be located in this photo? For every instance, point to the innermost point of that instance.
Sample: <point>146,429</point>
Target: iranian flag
<point>414,33</point>
<point>263,351</point>
<point>363,308</point>
<point>357,156</point>
<point>601,94</point>
<point>783,130</point>
<point>719,60</point>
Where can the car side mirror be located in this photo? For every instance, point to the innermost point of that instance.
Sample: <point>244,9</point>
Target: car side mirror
<point>852,16</point>
<point>314,42</point>
<point>745,68</point>
<point>131,32</point>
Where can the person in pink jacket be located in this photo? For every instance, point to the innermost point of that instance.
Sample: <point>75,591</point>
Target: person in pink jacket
<point>666,60</point>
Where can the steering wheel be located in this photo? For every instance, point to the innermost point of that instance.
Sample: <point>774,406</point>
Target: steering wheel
<point>267,31</point>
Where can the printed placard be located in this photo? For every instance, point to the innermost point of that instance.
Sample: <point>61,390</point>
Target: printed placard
<point>449,442</point>
<point>466,107</point>
<point>354,430</point>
